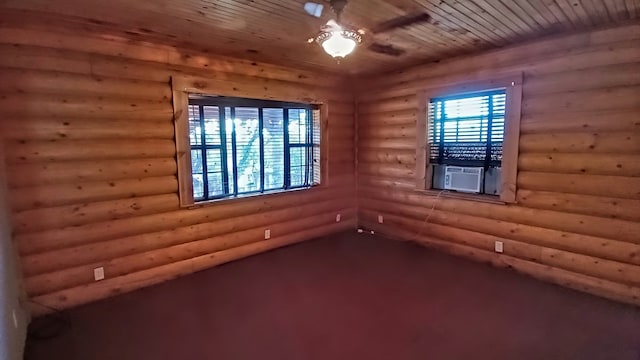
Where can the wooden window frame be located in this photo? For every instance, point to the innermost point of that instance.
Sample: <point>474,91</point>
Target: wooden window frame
<point>512,83</point>
<point>182,86</point>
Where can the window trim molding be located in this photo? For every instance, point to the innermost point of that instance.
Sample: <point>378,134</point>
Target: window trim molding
<point>512,83</point>
<point>183,146</point>
<point>182,86</point>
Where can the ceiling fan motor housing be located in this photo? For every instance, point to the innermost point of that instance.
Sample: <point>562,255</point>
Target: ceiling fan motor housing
<point>338,6</point>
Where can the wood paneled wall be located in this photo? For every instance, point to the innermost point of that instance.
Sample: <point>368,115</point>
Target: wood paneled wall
<point>88,131</point>
<point>577,220</point>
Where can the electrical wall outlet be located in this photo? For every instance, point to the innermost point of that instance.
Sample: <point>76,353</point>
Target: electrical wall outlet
<point>499,246</point>
<point>267,234</point>
<point>98,274</point>
<point>380,219</point>
<point>338,218</point>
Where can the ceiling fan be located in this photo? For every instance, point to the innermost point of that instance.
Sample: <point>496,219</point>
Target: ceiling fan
<point>339,39</point>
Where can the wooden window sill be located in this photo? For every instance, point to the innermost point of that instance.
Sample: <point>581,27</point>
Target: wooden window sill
<point>247,197</point>
<point>491,199</point>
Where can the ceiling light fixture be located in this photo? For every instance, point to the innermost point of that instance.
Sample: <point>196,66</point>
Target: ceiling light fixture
<point>336,40</point>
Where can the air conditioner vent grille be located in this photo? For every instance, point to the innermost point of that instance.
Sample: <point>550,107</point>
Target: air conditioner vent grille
<point>467,179</point>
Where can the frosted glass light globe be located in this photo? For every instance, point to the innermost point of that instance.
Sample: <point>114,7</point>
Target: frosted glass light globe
<point>338,46</point>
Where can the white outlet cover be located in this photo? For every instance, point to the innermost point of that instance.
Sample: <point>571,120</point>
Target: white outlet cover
<point>98,274</point>
<point>380,219</point>
<point>338,218</point>
<point>499,247</point>
<point>267,234</point>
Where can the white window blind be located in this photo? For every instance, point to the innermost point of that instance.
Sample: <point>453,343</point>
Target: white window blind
<point>467,130</point>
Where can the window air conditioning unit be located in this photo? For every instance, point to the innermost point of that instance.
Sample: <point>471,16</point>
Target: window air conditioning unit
<point>467,179</point>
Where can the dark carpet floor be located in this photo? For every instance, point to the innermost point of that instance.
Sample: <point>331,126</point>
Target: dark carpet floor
<point>349,296</point>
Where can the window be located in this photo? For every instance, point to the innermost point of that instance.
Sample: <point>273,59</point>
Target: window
<point>245,146</point>
<point>466,134</point>
<point>468,138</point>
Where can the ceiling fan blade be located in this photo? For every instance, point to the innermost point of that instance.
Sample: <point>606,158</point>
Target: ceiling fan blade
<point>386,49</point>
<point>400,22</point>
<point>313,9</point>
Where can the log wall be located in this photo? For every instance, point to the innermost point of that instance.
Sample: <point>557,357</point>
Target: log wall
<point>90,150</point>
<point>577,217</point>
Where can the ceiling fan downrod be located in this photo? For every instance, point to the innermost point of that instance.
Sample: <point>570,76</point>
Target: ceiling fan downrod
<point>338,6</point>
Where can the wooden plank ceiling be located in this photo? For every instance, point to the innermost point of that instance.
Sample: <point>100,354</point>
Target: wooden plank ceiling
<point>276,30</point>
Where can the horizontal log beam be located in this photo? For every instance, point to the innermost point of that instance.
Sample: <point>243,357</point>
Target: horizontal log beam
<point>620,230</point>
<point>399,144</point>
<point>85,129</point>
<point>92,252</point>
<point>55,82</point>
<point>386,182</point>
<point>86,107</point>
<point>86,171</point>
<point>34,197</point>
<point>387,105</point>
<point>99,290</point>
<point>393,156</point>
<point>593,78</point>
<point>582,244</point>
<point>614,98</point>
<point>590,164</point>
<point>391,118</point>
<point>620,143</point>
<point>623,273</point>
<point>472,69</point>
<point>589,284</point>
<point>592,121</point>
<point>389,170</point>
<point>398,131</point>
<point>596,185</point>
<point>81,275</point>
<point>615,208</point>
<point>77,235</point>
<point>86,213</point>
<point>81,150</point>
<point>147,54</point>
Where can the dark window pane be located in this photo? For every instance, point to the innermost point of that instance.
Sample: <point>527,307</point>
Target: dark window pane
<point>196,161</point>
<point>297,126</point>
<point>273,137</point>
<point>198,186</point>
<point>214,173</point>
<point>462,126</point>
<point>214,161</point>
<point>194,125</point>
<point>298,166</point>
<point>467,131</point>
<point>247,151</point>
<point>229,133</point>
<point>247,128</point>
<point>212,125</point>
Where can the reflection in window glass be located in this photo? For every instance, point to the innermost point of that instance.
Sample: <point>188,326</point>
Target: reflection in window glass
<point>196,170</point>
<point>214,172</point>
<point>211,119</point>
<point>247,132</point>
<point>297,126</point>
<point>273,144</point>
